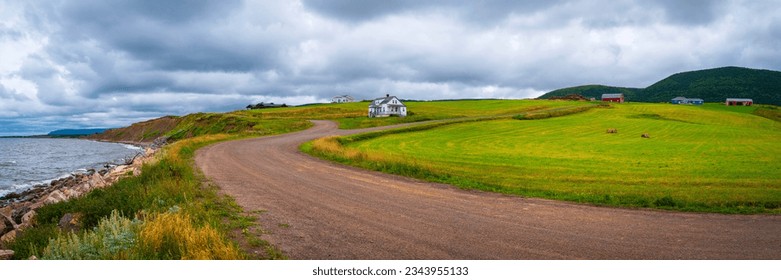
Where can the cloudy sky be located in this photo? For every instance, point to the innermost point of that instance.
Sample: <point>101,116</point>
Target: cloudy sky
<point>105,63</point>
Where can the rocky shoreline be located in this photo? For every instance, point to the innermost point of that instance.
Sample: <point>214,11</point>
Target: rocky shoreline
<point>18,210</point>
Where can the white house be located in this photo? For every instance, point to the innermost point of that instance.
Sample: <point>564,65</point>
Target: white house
<point>387,106</point>
<point>342,99</point>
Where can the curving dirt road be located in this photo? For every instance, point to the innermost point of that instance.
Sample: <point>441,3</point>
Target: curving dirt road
<point>315,209</point>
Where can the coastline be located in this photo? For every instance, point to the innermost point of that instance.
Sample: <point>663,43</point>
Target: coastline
<point>39,182</point>
<point>18,209</point>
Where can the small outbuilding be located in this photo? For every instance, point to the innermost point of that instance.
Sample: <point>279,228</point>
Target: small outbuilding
<point>696,101</point>
<point>684,100</point>
<point>342,99</point>
<point>739,102</point>
<point>613,97</point>
<point>679,100</point>
<point>387,106</point>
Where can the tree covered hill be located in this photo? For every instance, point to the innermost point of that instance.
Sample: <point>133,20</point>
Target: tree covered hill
<point>595,91</point>
<point>712,85</point>
<point>716,85</point>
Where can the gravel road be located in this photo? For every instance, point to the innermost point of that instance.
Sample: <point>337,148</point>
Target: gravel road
<point>315,209</point>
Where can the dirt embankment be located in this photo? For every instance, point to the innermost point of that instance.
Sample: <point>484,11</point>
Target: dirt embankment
<point>142,132</point>
<point>314,209</point>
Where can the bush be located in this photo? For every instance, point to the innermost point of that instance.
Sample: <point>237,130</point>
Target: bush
<point>170,235</point>
<point>114,238</point>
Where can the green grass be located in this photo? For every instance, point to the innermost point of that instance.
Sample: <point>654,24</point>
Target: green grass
<point>439,110</point>
<point>708,158</point>
<point>353,115</point>
<point>767,111</point>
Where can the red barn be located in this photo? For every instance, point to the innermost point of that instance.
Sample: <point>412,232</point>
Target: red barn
<point>613,97</point>
<point>739,101</point>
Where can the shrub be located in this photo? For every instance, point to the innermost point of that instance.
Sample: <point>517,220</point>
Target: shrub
<point>170,235</point>
<point>113,238</point>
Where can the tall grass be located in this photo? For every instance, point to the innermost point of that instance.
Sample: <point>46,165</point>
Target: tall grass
<point>173,236</point>
<point>768,111</point>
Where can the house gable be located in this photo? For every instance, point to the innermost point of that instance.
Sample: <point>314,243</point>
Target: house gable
<point>387,106</point>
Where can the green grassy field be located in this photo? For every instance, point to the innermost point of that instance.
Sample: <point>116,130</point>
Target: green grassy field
<point>438,110</point>
<point>709,158</point>
<point>353,115</point>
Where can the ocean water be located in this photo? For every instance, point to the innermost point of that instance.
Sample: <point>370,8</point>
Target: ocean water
<point>25,162</point>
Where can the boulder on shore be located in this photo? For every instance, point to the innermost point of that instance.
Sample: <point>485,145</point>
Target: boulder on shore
<point>5,225</point>
<point>6,254</point>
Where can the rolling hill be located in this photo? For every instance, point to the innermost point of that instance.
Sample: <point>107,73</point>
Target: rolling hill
<point>592,91</point>
<point>712,85</point>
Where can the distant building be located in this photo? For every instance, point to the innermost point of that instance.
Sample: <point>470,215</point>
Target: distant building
<point>613,97</point>
<point>679,100</point>
<point>684,100</point>
<point>696,101</point>
<point>342,99</point>
<point>739,101</point>
<point>387,106</point>
<point>262,105</point>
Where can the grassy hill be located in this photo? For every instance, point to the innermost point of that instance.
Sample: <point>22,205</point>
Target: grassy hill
<point>712,85</point>
<point>282,120</point>
<point>145,131</point>
<point>709,158</point>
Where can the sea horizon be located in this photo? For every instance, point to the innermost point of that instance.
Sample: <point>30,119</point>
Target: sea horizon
<point>29,161</point>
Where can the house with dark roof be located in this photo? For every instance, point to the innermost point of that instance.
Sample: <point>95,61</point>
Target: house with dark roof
<point>684,100</point>
<point>613,97</point>
<point>696,101</point>
<point>387,106</point>
<point>679,100</point>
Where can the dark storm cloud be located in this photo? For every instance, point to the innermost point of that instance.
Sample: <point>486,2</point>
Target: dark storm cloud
<point>691,12</point>
<point>169,35</point>
<point>107,13</point>
<point>357,11</point>
<point>479,11</point>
